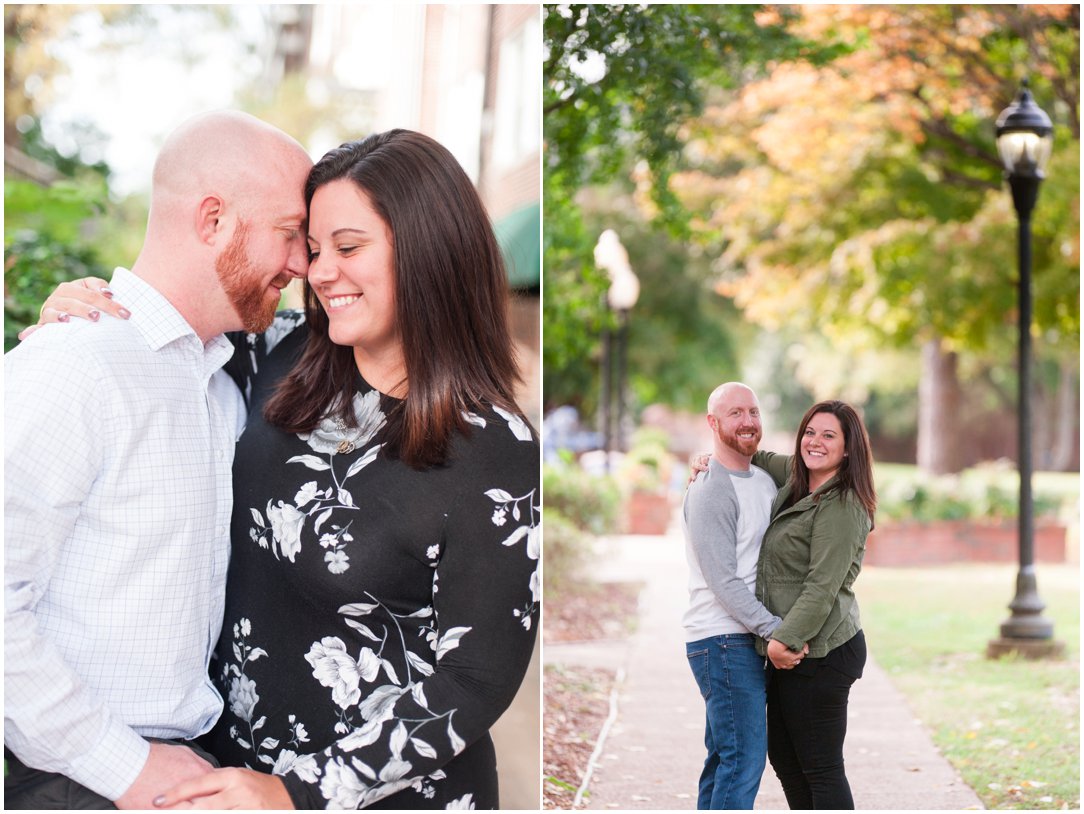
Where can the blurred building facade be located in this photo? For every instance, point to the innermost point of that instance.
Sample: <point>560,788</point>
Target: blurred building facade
<point>467,75</point>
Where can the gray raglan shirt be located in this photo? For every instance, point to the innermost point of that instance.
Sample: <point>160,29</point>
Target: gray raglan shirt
<point>724,516</point>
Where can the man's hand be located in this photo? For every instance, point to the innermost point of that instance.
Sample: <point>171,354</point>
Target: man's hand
<point>783,657</point>
<point>166,766</point>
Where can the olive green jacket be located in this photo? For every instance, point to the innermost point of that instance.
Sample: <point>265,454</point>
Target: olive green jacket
<point>811,555</point>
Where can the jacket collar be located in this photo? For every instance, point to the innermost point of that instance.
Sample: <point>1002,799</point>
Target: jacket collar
<point>807,502</point>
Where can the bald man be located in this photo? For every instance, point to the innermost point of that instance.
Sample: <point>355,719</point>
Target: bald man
<point>725,514</point>
<point>119,442</point>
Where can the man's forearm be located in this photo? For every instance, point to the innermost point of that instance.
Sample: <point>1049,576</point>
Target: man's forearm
<point>734,595</point>
<point>53,723</point>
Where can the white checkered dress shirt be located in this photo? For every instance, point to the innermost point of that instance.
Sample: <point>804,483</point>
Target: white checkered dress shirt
<point>119,440</point>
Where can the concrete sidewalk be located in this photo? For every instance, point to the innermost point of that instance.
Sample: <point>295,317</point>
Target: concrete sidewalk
<point>653,754</point>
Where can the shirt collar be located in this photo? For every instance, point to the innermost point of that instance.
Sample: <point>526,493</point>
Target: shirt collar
<point>158,321</point>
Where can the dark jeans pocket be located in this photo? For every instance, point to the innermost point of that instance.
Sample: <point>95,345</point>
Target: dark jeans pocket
<point>698,663</point>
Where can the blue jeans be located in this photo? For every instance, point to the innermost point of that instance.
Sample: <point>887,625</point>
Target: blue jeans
<point>731,678</point>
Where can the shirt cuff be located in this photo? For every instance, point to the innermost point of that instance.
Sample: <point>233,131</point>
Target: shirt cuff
<point>113,764</point>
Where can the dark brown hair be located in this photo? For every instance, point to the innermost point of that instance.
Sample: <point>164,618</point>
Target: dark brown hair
<point>451,296</point>
<point>855,471</point>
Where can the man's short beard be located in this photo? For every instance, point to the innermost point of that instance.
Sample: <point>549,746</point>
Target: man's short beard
<point>243,284</point>
<point>739,445</point>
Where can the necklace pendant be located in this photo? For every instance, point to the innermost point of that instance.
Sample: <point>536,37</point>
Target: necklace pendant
<point>345,447</point>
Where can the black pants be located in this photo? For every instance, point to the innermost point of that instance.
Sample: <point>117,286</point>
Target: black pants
<point>807,722</point>
<point>32,789</point>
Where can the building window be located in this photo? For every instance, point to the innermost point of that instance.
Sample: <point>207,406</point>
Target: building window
<point>519,84</point>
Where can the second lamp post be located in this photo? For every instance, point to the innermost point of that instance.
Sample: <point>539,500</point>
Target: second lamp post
<point>621,296</point>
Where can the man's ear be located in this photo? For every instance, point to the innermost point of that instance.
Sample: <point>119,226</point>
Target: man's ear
<point>209,219</point>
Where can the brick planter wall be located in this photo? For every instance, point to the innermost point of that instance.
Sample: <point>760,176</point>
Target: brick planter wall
<point>647,513</point>
<point>911,543</point>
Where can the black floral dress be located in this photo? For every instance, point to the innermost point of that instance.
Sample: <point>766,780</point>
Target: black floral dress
<point>379,619</point>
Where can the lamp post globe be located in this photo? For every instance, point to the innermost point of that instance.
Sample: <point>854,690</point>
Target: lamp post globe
<point>1024,136</point>
<point>1024,140</point>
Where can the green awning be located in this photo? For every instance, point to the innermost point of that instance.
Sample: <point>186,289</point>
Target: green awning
<point>519,236</point>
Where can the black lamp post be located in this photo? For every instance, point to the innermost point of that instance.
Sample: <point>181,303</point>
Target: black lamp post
<point>621,296</point>
<point>1024,137</point>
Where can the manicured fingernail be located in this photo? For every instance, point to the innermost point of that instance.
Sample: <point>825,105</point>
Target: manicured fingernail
<point>93,315</point>
<point>62,317</point>
<point>160,800</point>
<point>106,292</point>
<point>124,313</point>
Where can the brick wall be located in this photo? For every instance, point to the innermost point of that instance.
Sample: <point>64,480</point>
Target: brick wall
<point>958,541</point>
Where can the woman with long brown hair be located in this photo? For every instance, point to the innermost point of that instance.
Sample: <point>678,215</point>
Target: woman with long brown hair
<point>811,555</point>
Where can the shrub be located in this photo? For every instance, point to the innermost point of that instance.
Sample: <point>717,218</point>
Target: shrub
<point>648,465</point>
<point>44,245</point>
<point>564,552</point>
<point>591,503</point>
<point>980,494</point>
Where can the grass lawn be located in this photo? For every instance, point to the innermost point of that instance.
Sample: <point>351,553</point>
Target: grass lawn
<point>1011,727</point>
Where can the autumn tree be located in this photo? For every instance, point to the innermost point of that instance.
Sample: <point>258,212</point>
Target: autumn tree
<point>862,201</point>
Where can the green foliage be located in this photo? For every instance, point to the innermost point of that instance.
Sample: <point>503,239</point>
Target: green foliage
<point>1056,229</point>
<point>648,464</point>
<point>577,507</point>
<point>87,136</point>
<point>43,245</point>
<point>622,81</point>
<point>60,210</point>
<point>987,494</point>
<point>678,308</point>
<point>655,64</point>
<point>566,550</point>
<point>572,293</point>
<point>590,502</point>
<point>683,336</point>
<point>650,437</point>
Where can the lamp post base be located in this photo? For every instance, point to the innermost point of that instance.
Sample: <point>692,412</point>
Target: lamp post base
<point>1032,649</point>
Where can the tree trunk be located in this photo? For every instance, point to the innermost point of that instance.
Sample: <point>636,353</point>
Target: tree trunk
<point>938,411</point>
<point>1065,446</point>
